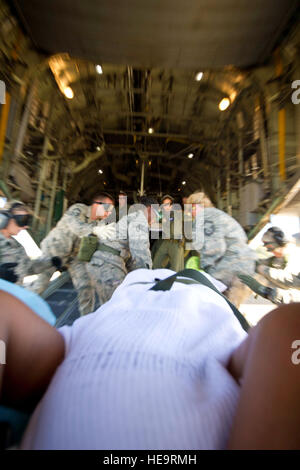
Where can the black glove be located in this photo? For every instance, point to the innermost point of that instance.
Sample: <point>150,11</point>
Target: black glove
<point>7,272</point>
<point>56,261</point>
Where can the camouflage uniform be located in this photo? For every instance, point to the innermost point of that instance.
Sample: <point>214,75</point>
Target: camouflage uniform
<point>222,246</point>
<point>286,280</point>
<point>12,251</point>
<point>64,241</point>
<point>107,270</point>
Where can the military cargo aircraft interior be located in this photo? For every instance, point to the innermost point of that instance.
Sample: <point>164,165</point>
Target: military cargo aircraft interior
<point>169,106</point>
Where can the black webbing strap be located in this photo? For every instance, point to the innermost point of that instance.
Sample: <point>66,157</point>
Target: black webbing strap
<point>197,276</point>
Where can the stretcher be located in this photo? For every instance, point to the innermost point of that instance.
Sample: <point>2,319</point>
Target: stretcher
<point>13,422</point>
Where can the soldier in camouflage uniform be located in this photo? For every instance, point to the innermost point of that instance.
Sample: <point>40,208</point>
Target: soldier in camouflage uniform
<point>168,252</point>
<point>78,221</point>
<point>15,264</point>
<point>283,268</point>
<point>222,246</point>
<point>107,268</point>
<point>278,275</point>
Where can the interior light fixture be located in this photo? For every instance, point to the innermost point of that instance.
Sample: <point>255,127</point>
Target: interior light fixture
<point>98,148</point>
<point>224,103</point>
<point>100,171</point>
<point>190,155</point>
<point>199,76</point>
<point>150,130</point>
<point>68,92</point>
<point>99,69</point>
<point>183,182</point>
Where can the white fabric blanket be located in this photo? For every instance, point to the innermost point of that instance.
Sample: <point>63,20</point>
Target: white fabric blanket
<point>145,371</point>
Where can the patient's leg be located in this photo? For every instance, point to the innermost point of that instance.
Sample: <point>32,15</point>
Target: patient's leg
<point>268,412</point>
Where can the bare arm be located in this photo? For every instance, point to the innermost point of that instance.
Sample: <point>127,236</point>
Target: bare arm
<point>268,413</point>
<point>34,349</point>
